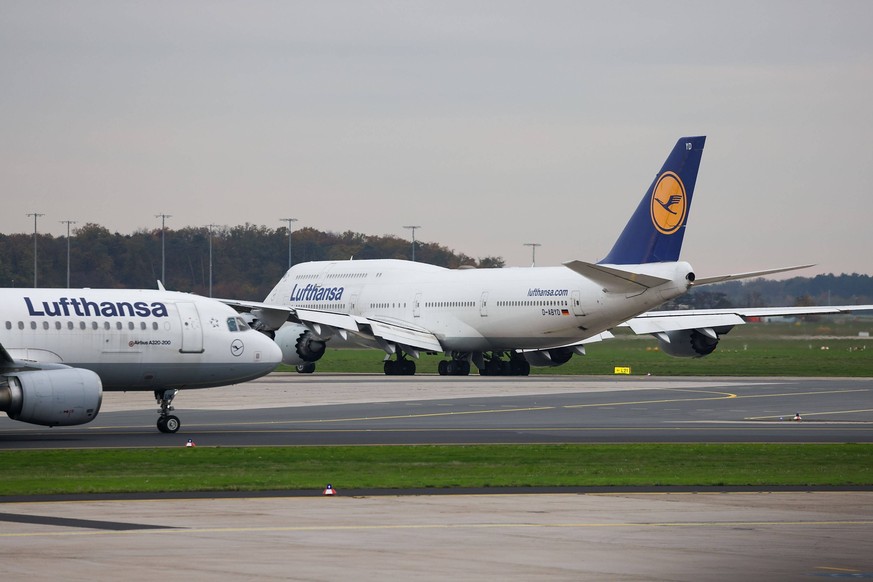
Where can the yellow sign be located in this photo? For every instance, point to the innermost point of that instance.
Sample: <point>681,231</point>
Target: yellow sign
<point>622,370</point>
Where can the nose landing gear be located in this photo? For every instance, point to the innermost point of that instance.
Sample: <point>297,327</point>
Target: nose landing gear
<point>167,423</point>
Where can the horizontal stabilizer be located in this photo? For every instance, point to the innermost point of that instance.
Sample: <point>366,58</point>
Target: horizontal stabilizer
<point>615,280</point>
<point>749,275</point>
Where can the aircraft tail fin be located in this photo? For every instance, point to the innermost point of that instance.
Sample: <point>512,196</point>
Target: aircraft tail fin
<point>655,231</point>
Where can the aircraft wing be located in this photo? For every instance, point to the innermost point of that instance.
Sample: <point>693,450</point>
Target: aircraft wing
<point>23,360</point>
<point>383,331</point>
<point>660,321</point>
<point>272,316</point>
<point>400,332</point>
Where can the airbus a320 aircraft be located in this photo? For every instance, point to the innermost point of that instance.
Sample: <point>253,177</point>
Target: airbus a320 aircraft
<point>505,320</point>
<point>60,348</point>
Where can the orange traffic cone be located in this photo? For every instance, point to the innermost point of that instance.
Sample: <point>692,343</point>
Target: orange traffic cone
<point>329,490</point>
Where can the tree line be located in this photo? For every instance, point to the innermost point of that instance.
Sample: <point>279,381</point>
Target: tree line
<point>247,260</point>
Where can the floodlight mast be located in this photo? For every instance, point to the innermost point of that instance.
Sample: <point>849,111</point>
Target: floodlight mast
<point>412,228</point>
<point>533,248</point>
<point>163,218</point>
<point>35,215</point>
<point>68,223</point>
<point>290,221</point>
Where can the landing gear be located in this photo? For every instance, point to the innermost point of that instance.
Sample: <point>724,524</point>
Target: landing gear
<point>167,423</point>
<point>402,366</point>
<point>459,365</point>
<point>307,368</point>
<point>494,365</point>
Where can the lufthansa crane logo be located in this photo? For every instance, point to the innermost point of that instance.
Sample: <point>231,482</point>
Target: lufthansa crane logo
<point>237,347</point>
<point>669,203</point>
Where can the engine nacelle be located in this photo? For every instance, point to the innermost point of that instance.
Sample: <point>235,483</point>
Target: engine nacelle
<point>549,358</point>
<point>299,345</point>
<point>57,397</point>
<point>688,343</point>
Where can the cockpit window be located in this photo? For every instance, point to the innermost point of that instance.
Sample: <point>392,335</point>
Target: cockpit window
<point>237,324</point>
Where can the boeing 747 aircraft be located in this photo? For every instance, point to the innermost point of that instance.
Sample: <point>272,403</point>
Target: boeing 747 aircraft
<point>60,348</point>
<point>505,320</point>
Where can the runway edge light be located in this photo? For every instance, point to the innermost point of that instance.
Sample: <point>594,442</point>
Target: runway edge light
<point>329,490</point>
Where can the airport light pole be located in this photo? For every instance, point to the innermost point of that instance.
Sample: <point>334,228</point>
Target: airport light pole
<point>35,215</point>
<point>290,221</point>
<point>412,228</point>
<point>533,248</point>
<point>210,227</point>
<point>68,223</point>
<point>163,218</point>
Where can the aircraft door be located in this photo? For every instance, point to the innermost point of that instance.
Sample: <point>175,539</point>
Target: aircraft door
<point>483,304</point>
<point>576,300</point>
<point>192,333</point>
<point>416,305</point>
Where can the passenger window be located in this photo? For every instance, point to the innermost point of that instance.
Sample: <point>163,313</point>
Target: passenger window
<point>81,325</point>
<point>69,325</point>
<point>130,326</point>
<point>142,325</point>
<point>94,325</point>
<point>45,325</point>
<point>8,325</point>
<point>106,325</point>
<point>20,325</point>
<point>118,325</point>
<point>32,325</point>
<point>57,325</point>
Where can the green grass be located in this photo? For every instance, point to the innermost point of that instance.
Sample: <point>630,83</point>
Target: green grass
<point>252,469</point>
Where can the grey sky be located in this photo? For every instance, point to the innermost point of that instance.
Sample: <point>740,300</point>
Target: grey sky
<point>490,124</point>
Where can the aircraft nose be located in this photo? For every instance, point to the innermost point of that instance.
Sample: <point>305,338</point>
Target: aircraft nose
<point>270,353</point>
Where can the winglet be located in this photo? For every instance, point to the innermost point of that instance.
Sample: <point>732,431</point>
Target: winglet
<point>655,231</point>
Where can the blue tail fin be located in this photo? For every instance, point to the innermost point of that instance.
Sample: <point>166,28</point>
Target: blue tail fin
<point>655,231</point>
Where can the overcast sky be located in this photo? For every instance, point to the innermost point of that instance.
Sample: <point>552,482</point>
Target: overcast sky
<point>489,124</point>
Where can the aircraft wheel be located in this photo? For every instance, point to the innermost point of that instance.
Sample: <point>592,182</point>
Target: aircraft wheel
<point>170,424</point>
<point>307,368</point>
<point>443,368</point>
<point>408,367</point>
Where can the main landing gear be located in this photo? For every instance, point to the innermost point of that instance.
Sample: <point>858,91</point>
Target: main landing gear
<point>402,366</point>
<point>167,422</point>
<point>459,365</point>
<point>495,365</point>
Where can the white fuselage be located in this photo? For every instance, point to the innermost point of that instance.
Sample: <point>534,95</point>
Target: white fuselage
<point>135,339</point>
<point>471,310</point>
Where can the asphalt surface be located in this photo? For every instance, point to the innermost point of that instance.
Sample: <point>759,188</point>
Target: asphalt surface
<point>291,409</point>
<point>667,534</point>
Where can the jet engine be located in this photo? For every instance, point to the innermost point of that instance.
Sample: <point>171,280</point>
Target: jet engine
<point>549,358</point>
<point>299,345</point>
<point>690,343</point>
<point>54,397</point>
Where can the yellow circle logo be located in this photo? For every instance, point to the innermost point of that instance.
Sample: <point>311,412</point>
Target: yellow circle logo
<point>668,203</point>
